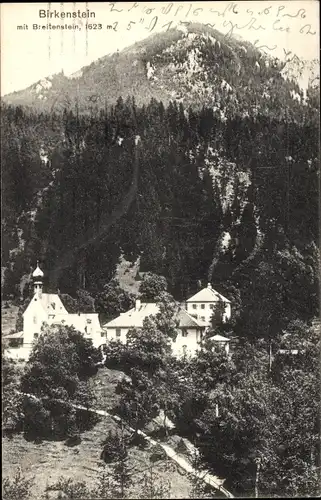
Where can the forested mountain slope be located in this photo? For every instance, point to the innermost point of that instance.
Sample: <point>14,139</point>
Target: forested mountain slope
<point>198,66</point>
<point>221,185</point>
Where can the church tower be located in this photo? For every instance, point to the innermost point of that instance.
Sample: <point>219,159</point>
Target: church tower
<point>37,277</point>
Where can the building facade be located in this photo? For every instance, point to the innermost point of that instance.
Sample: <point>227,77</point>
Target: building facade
<point>47,308</point>
<point>190,330</point>
<point>194,321</point>
<point>203,303</point>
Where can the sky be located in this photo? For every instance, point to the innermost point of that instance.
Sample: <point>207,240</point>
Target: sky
<point>29,54</point>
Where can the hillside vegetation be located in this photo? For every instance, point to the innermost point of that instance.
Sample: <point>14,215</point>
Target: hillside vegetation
<point>197,67</point>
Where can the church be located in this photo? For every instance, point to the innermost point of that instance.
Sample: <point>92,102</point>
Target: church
<point>47,308</point>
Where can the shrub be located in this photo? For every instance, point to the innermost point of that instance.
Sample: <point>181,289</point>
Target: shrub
<point>17,488</point>
<point>57,374</point>
<point>115,354</point>
<point>113,448</point>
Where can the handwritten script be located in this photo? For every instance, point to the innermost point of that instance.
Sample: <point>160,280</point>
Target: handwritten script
<point>230,18</point>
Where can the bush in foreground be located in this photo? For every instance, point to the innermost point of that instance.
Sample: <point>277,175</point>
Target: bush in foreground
<point>56,379</point>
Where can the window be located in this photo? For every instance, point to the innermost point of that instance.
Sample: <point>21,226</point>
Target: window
<point>53,305</point>
<point>194,306</point>
<point>203,318</point>
<point>184,333</point>
<point>102,334</point>
<point>202,306</point>
<point>36,335</point>
<point>118,331</point>
<point>35,320</point>
<point>89,321</point>
<point>211,306</point>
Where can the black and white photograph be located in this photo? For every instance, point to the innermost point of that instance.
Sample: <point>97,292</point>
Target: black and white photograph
<point>160,275</point>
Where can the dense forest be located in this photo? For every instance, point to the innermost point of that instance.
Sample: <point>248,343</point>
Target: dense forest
<point>233,202</point>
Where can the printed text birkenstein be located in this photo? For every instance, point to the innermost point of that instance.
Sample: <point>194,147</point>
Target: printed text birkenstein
<point>56,14</point>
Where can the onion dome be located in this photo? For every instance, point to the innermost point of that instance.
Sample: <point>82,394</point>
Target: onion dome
<point>37,272</point>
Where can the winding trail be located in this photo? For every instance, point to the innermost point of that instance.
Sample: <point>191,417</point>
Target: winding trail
<point>207,478</point>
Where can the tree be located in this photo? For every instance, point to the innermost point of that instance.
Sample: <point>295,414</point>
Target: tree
<point>148,347</point>
<point>218,313</point>
<point>12,415</point>
<point>244,418</point>
<point>152,286</point>
<point>115,450</point>
<point>139,402</point>
<point>257,410</point>
<point>151,489</point>
<point>199,489</point>
<point>166,319</point>
<point>192,383</point>
<point>295,372</point>
<point>122,477</point>
<point>113,300</point>
<point>146,359</point>
<point>113,447</point>
<point>56,377</point>
<point>22,307</point>
<point>82,302</point>
<point>276,274</point>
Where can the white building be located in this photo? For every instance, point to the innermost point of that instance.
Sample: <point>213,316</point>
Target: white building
<point>190,330</point>
<point>202,304</point>
<point>194,321</point>
<point>48,308</point>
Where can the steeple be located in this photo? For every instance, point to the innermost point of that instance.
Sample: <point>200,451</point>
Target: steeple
<point>37,277</point>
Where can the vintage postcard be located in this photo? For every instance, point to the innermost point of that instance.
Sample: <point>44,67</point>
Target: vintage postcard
<point>160,249</point>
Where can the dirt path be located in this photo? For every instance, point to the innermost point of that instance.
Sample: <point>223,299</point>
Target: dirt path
<point>208,478</point>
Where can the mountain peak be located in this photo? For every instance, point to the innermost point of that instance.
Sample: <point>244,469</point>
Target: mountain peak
<point>196,65</point>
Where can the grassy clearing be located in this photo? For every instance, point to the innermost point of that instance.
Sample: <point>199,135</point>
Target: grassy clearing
<point>126,273</point>
<point>50,460</point>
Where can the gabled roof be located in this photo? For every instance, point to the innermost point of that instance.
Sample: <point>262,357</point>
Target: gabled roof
<point>134,317</point>
<point>208,294</point>
<point>50,302</point>
<point>220,338</point>
<point>186,320</point>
